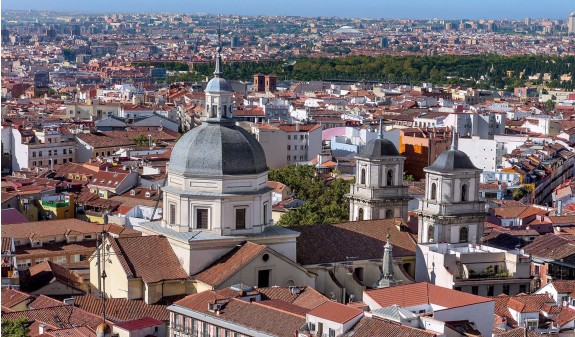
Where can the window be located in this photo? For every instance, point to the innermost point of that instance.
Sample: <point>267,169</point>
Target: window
<point>40,260</point>
<point>59,259</point>
<point>475,290</point>
<point>311,326</point>
<point>522,288</point>
<point>64,151</point>
<point>362,179</point>
<point>265,213</point>
<point>463,234</point>
<point>430,233</point>
<point>433,195</point>
<point>289,137</point>
<point>331,333</point>
<point>359,273</point>
<point>55,152</point>
<point>49,153</point>
<point>490,290</point>
<point>33,154</point>
<point>264,278</point>
<point>39,153</point>
<point>463,192</point>
<point>360,214</point>
<point>24,263</point>
<point>532,324</point>
<point>288,158</point>
<point>202,218</point>
<point>240,218</point>
<point>301,137</point>
<point>389,177</point>
<point>289,147</point>
<point>506,289</point>
<point>172,214</point>
<point>389,214</point>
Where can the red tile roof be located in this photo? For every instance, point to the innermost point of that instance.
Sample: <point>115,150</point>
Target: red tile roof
<point>148,257</point>
<point>45,273</point>
<point>122,309</point>
<point>336,312</point>
<point>230,264</point>
<point>12,216</point>
<point>423,293</point>
<point>254,316</point>
<point>12,297</point>
<point>365,240</point>
<point>140,323</point>
<point>372,326</point>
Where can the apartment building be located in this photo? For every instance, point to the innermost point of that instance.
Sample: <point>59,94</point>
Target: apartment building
<point>288,144</point>
<point>44,147</point>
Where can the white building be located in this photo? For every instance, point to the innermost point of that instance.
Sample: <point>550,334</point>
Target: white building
<point>443,305</point>
<point>485,154</point>
<point>43,148</point>
<point>484,125</point>
<point>288,144</point>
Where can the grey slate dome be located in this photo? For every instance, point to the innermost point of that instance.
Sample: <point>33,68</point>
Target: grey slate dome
<point>452,160</point>
<point>218,148</point>
<point>218,84</point>
<point>378,149</point>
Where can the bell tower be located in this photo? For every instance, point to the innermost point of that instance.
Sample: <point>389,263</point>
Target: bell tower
<point>451,211</point>
<point>378,191</point>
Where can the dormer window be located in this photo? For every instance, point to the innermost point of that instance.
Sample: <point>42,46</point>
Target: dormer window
<point>148,194</point>
<point>133,192</point>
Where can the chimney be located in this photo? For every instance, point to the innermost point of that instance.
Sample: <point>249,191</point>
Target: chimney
<point>41,329</point>
<point>559,207</point>
<point>297,127</point>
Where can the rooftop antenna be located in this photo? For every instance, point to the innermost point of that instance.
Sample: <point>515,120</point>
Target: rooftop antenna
<point>380,134</point>
<point>453,146</point>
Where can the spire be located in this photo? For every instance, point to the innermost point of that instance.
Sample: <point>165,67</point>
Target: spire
<point>380,134</point>
<point>387,279</point>
<point>218,72</point>
<point>453,140</point>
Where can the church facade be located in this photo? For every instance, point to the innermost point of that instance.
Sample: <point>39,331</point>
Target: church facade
<point>450,227</point>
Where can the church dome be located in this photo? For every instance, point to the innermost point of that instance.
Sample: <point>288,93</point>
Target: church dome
<point>378,149</point>
<point>218,84</point>
<point>218,148</point>
<point>452,160</point>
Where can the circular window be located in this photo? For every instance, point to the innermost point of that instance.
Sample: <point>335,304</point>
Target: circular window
<point>265,257</point>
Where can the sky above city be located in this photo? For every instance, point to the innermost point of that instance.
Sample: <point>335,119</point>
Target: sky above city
<point>445,9</point>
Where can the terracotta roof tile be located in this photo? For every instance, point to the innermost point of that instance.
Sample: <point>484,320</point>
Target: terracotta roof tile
<point>307,297</point>
<point>12,297</point>
<point>364,240</point>
<point>335,312</point>
<point>254,315</point>
<point>122,309</point>
<point>47,272</point>
<point>148,257</point>
<point>423,293</point>
<point>370,327</point>
<point>230,264</point>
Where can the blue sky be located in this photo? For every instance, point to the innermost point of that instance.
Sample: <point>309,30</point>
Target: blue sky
<point>447,9</point>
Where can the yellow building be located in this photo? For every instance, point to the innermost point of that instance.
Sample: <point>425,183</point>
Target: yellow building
<point>58,207</point>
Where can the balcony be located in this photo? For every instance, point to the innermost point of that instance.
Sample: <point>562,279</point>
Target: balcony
<point>55,203</point>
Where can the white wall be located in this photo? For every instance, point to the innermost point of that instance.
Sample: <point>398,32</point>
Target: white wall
<point>481,314</point>
<point>482,152</point>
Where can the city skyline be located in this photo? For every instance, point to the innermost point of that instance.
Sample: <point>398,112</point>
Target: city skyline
<point>416,9</point>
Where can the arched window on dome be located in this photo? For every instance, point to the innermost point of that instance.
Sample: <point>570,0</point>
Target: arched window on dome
<point>389,177</point>
<point>362,179</point>
<point>389,214</point>
<point>430,233</point>
<point>463,234</point>
<point>464,192</point>
<point>433,195</point>
<point>360,214</point>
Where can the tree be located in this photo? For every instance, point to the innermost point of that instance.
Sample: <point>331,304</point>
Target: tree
<point>324,203</point>
<point>140,140</point>
<point>15,328</point>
